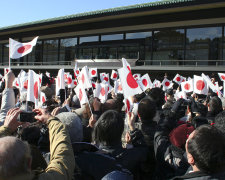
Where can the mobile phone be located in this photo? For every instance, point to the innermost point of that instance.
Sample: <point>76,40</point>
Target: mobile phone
<point>27,116</point>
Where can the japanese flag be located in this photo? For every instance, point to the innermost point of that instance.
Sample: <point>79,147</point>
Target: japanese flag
<point>16,83</point>
<point>178,79</point>
<point>6,70</point>
<point>145,82</point>
<point>33,87</point>
<point>81,94</point>
<point>167,84</point>
<point>129,105</point>
<point>118,87</point>
<point>93,72</point>
<point>102,92</point>
<point>104,77</point>
<point>200,86</point>
<point>70,81</point>
<point>126,64</point>
<point>93,84</point>
<point>137,76</point>
<point>180,94</point>
<point>221,76</point>
<point>60,80</point>
<point>187,86</point>
<point>84,78</point>
<point>18,50</point>
<point>130,86</point>
<point>47,74</point>
<point>209,82</point>
<point>114,75</point>
<point>76,71</point>
<point>156,83</point>
<point>23,82</point>
<point>42,98</point>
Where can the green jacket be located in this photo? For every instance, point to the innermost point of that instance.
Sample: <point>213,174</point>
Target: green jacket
<point>62,162</point>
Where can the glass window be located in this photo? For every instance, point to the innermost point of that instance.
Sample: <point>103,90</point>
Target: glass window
<point>204,44</point>
<point>111,37</point>
<point>168,46</point>
<point>50,52</point>
<point>88,39</point>
<point>67,49</point>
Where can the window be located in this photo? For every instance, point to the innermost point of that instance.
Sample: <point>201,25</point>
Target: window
<point>204,44</point>
<point>67,49</point>
<point>168,46</point>
<point>5,54</point>
<point>111,37</point>
<point>86,45</point>
<point>50,52</point>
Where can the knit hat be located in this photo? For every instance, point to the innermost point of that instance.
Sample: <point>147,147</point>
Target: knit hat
<point>180,134</point>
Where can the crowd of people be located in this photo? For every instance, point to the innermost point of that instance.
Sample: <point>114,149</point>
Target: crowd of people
<point>160,138</point>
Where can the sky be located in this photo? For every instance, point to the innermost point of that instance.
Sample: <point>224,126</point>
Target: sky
<point>14,12</point>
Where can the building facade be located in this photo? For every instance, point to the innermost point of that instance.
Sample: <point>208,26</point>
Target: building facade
<point>185,35</point>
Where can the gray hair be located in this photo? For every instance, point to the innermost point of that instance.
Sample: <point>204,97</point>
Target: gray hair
<point>14,157</point>
<point>73,123</point>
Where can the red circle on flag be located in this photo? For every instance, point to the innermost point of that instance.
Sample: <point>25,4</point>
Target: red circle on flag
<point>131,81</point>
<point>17,84</point>
<point>25,84</point>
<point>128,68</point>
<point>135,76</point>
<point>200,85</point>
<point>77,71</point>
<point>106,79</point>
<point>128,105</point>
<point>36,90</point>
<point>75,83</point>
<point>114,75</point>
<point>102,91</point>
<point>80,94</point>
<point>43,99</point>
<point>144,82</point>
<point>23,49</point>
<point>178,79</point>
<point>82,78</point>
<point>69,80</point>
<point>93,72</point>
<point>187,86</point>
<point>223,77</point>
<point>167,83</point>
<point>93,85</point>
<point>40,80</point>
<point>120,88</point>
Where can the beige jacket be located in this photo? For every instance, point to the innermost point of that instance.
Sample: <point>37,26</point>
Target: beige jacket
<point>62,162</point>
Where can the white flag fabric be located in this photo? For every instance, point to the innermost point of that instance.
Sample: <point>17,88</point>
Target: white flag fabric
<point>60,81</point>
<point>145,82</point>
<point>70,81</point>
<point>156,83</point>
<point>104,77</point>
<point>18,49</point>
<point>187,86</point>
<point>180,94</point>
<point>81,94</point>
<point>167,84</point>
<point>6,70</point>
<point>42,98</point>
<point>200,86</point>
<point>178,79</point>
<point>76,71</point>
<point>128,105</point>
<point>126,64</point>
<point>209,82</point>
<point>118,87</point>
<point>84,78</point>
<point>23,81</point>
<point>93,72</point>
<point>47,74</point>
<point>103,92</point>
<point>137,76</point>
<point>33,87</point>
<point>221,76</point>
<point>114,75</point>
<point>16,83</point>
<point>129,85</point>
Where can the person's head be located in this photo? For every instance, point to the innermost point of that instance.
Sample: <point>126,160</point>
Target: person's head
<point>73,123</point>
<point>146,110</point>
<point>158,96</point>
<point>215,105</point>
<point>220,122</point>
<point>15,157</point>
<point>205,149</point>
<point>200,110</point>
<point>109,128</point>
<point>169,93</point>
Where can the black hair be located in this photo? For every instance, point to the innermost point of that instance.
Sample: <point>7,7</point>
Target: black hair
<point>220,122</point>
<point>16,91</point>
<point>158,96</point>
<point>215,105</point>
<point>146,110</point>
<point>198,121</point>
<point>109,128</point>
<point>207,147</point>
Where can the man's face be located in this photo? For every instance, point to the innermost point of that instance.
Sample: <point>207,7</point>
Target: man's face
<point>189,156</point>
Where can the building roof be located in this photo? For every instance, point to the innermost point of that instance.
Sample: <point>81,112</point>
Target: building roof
<point>105,12</point>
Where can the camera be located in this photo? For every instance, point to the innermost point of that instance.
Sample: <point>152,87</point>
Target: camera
<point>27,116</point>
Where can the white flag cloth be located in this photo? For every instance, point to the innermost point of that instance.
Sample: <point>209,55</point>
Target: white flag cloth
<point>180,94</point>
<point>178,79</point>
<point>187,86</point>
<point>200,86</point>
<point>76,71</point>
<point>145,82</point>
<point>18,49</point>
<point>209,82</point>
<point>16,83</point>
<point>70,81</point>
<point>156,83</point>
<point>103,92</point>
<point>23,81</point>
<point>126,64</point>
<point>221,76</point>
<point>137,76</point>
<point>114,75</point>
<point>42,98</point>
<point>47,74</point>
<point>33,87</point>
<point>93,72</point>
<point>6,70</point>
<point>81,94</point>
<point>84,78</point>
<point>60,81</point>
<point>129,85</point>
<point>167,84</point>
<point>118,87</point>
<point>104,77</point>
